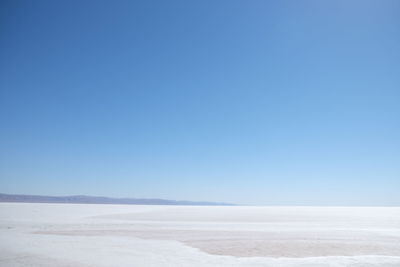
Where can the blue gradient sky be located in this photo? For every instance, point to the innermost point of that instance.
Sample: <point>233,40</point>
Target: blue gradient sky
<point>251,102</point>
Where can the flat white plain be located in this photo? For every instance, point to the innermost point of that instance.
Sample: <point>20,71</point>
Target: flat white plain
<point>134,235</point>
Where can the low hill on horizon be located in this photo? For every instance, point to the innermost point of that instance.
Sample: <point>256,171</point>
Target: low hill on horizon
<point>82,199</point>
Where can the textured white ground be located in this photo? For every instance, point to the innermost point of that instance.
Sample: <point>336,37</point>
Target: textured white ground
<point>126,235</point>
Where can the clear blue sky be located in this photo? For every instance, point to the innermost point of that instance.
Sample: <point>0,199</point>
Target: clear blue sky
<point>251,102</point>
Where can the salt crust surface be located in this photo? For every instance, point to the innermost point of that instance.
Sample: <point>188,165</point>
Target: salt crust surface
<point>129,235</point>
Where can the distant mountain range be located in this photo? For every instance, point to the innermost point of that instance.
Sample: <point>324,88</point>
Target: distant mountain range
<point>102,200</point>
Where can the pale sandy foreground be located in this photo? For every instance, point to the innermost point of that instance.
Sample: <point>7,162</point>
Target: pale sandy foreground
<point>158,236</point>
